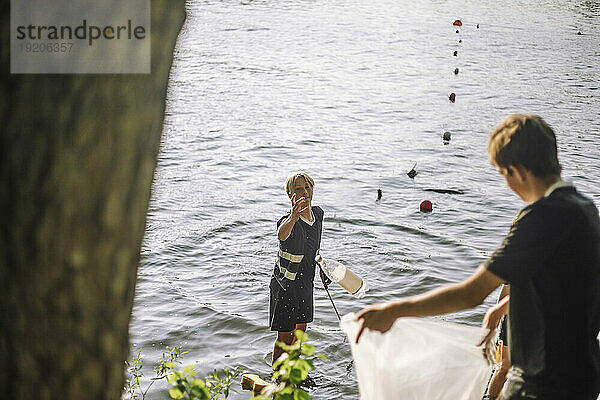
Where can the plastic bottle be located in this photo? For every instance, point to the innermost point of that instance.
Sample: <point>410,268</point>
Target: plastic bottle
<point>341,275</point>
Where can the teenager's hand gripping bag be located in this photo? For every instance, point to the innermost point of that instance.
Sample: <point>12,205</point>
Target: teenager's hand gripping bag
<point>419,359</point>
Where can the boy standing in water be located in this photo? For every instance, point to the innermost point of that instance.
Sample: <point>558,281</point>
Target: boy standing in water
<point>291,287</point>
<point>550,258</point>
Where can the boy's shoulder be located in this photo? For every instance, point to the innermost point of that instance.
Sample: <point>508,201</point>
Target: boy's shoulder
<point>318,212</point>
<point>563,209</point>
<point>567,200</point>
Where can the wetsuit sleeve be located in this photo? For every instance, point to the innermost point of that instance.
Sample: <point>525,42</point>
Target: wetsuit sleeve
<point>522,249</point>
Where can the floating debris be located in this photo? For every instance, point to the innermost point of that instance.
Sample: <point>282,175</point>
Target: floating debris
<point>455,53</point>
<point>445,191</point>
<point>413,172</point>
<point>253,382</point>
<point>452,97</point>
<point>455,71</point>
<point>379,194</point>
<point>447,136</point>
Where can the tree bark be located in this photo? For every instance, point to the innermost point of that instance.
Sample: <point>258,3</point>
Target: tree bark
<point>77,158</point>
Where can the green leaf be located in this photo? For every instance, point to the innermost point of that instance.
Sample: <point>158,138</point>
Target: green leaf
<point>200,393</point>
<point>308,349</point>
<point>285,369</point>
<point>280,360</point>
<point>296,376</point>
<point>197,382</point>
<point>301,336</point>
<point>175,393</point>
<point>300,394</point>
<point>303,365</point>
<point>287,390</point>
<point>177,374</point>
<point>289,348</point>
<point>190,370</point>
<point>322,356</point>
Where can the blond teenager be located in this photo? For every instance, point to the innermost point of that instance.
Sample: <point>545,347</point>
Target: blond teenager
<point>291,288</point>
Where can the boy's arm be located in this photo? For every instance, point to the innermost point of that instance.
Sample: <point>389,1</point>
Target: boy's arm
<point>492,318</point>
<point>456,297</point>
<point>285,229</point>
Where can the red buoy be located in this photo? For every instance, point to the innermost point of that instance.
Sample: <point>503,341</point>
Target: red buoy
<point>457,22</point>
<point>426,205</point>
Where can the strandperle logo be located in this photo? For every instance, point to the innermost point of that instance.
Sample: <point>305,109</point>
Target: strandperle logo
<point>85,36</point>
<point>84,31</point>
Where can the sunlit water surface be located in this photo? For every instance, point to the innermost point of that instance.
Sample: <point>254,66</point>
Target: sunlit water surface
<point>354,93</point>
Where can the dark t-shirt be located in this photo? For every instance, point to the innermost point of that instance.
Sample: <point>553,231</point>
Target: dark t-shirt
<point>551,258</point>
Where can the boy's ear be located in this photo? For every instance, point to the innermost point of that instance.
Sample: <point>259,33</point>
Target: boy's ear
<point>519,171</point>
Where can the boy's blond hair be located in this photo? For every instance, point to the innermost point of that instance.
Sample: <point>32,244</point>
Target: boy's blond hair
<point>527,140</point>
<point>291,180</point>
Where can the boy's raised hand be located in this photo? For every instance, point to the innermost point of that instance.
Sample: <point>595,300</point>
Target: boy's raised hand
<point>298,206</point>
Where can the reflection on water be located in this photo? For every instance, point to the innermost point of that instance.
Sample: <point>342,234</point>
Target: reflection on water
<point>355,94</point>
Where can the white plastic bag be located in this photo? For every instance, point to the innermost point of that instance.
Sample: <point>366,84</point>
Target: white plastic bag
<point>419,359</point>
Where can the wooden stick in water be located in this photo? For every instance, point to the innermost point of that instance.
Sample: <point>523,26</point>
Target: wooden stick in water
<point>333,304</point>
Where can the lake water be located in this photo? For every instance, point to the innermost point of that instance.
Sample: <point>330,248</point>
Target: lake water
<point>354,93</point>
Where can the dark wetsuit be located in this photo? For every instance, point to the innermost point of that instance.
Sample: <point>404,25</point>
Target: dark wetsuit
<point>551,259</point>
<point>291,287</point>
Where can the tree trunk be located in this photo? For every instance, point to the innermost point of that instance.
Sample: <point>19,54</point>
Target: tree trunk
<point>77,157</point>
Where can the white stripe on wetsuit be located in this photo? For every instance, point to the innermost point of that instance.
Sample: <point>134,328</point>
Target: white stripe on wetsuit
<point>289,275</point>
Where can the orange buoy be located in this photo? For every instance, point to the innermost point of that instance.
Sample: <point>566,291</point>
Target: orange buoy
<point>457,22</point>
